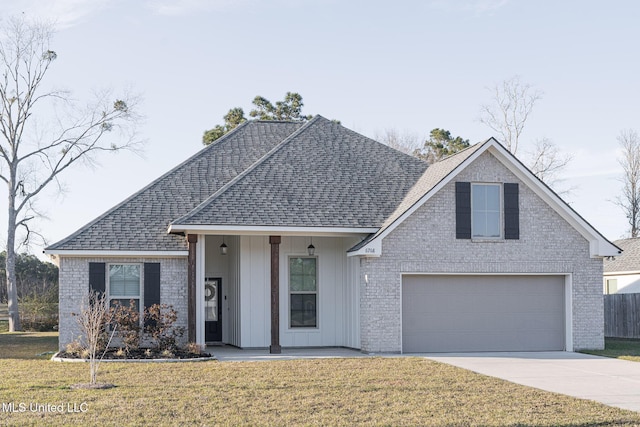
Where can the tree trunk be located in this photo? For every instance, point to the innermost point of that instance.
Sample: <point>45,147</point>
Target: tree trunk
<point>12,291</point>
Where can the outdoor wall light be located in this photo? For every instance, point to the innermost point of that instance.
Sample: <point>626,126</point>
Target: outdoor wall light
<point>311,249</point>
<point>223,247</point>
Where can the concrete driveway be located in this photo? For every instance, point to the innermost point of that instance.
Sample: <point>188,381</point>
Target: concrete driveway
<point>610,381</point>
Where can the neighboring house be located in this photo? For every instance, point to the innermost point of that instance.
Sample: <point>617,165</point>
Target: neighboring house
<point>308,234</point>
<point>622,273</point>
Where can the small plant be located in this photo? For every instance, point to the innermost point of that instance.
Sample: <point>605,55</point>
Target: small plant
<point>76,349</point>
<point>194,348</point>
<point>148,352</point>
<point>126,318</point>
<point>159,320</point>
<point>120,352</point>
<point>167,353</point>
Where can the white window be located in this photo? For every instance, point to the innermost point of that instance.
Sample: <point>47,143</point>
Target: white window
<point>125,284</point>
<point>303,292</point>
<point>486,208</point>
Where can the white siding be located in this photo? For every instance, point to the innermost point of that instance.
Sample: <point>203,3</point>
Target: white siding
<point>338,293</point>
<point>224,267</point>
<point>627,283</point>
<point>255,325</point>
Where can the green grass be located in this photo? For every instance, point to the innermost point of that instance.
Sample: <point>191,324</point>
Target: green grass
<point>626,349</point>
<point>367,391</point>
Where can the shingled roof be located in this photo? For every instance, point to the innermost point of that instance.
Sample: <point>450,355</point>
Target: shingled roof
<point>429,179</point>
<point>140,222</point>
<point>324,175</point>
<point>264,173</point>
<point>629,260</point>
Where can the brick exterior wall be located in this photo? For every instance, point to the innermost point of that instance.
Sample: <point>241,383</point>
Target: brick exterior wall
<point>74,286</point>
<point>426,243</point>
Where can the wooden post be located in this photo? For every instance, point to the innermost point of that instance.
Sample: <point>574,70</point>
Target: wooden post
<point>192,239</point>
<point>275,348</point>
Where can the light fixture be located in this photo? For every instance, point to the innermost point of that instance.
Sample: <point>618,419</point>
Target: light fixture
<point>223,247</point>
<point>311,249</point>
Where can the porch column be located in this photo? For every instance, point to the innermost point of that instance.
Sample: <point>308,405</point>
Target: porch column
<point>275,348</point>
<point>192,239</point>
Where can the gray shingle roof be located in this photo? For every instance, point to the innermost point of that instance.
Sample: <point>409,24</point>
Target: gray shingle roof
<point>629,260</point>
<point>317,174</point>
<point>324,175</point>
<point>140,222</point>
<point>429,179</point>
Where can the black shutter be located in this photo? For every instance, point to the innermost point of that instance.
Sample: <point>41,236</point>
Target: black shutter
<point>151,283</point>
<point>97,277</point>
<point>463,210</point>
<point>511,212</point>
<point>151,286</point>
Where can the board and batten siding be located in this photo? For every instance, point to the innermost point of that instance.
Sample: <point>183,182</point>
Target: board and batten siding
<point>225,267</point>
<point>338,293</point>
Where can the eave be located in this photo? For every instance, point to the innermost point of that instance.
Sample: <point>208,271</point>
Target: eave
<point>258,230</point>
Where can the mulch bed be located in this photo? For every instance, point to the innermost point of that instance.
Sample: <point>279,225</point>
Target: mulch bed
<point>140,354</point>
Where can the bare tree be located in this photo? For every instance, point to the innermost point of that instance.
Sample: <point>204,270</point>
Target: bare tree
<point>547,161</point>
<point>507,114</point>
<point>406,142</point>
<point>629,200</point>
<point>94,319</point>
<point>34,153</point>
<point>512,103</point>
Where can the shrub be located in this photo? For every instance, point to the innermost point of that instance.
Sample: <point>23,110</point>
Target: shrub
<point>126,319</point>
<point>194,348</point>
<point>39,311</point>
<point>159,320</point>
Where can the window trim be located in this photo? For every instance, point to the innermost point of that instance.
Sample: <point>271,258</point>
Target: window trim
<point>140,296</point>
<point>500,211</point>
<point>316,293</point>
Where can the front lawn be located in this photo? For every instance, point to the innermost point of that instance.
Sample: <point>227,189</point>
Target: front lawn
<point>369,391</point>
<point>618,348</point>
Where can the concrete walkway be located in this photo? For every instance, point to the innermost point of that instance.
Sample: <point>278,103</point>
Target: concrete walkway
<point>613,382</point>
<point>226,353</point>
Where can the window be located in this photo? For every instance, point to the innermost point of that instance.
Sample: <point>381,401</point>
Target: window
<point>487,214</point>
<point>612,286</point>
<point>485,211</point>
<point>124,284</point>
<point>303,292</point>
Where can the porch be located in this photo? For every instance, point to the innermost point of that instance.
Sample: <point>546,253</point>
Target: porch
<point>251,291</point>
<point>228,353</point>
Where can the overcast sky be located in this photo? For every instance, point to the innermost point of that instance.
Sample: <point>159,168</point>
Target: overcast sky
<point>373,65</point>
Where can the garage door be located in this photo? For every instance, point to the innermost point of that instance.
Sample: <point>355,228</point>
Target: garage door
<point>482,313</point>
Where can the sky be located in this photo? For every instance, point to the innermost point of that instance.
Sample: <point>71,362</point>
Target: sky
<point>374,65</point>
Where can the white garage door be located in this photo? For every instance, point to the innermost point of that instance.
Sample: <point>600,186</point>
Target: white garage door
<point>482,313</point>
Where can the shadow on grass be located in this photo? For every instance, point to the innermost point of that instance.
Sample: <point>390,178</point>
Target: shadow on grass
<point>620,348</point>
<point>28,345</point>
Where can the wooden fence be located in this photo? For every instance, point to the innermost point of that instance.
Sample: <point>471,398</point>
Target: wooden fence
<point>622,315</point>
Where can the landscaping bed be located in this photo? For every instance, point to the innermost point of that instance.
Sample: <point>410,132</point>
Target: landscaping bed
<point>141,354</point>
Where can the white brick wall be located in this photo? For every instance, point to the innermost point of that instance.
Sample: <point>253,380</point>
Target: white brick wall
<point>426,243</point>
<point>74,286</point>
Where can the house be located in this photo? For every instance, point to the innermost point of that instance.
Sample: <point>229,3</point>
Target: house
<point>622,274</point>
<point>290,234</point>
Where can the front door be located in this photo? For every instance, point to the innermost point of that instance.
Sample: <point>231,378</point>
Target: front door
<point>212,309</point>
